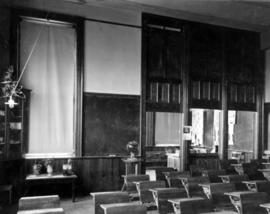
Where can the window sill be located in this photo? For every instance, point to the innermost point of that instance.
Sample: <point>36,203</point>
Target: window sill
<point>48,155</point>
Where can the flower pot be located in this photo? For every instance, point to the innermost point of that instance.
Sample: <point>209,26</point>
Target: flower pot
<point>49,169</point>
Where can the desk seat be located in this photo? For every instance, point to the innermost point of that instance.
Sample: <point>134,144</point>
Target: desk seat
<point>145,195</point>
<point>191,185</point>
<point>7,188</point>
<point>247,202</point>
<point>108,198</point>
<point>43,211</point>
<point>221,212</point>
<point>39,202</point>
<point>193,205</point>
<point>215,193</point>
<point>124,208</point>
<point>162,195</point>
<point>266,206</point>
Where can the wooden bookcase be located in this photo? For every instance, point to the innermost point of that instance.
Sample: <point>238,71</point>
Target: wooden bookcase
<point>14,128</point>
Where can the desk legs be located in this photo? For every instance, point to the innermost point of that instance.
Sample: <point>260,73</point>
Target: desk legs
<point>70,182</point>
<point>73,190</point>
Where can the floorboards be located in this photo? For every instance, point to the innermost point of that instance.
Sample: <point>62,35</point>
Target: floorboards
<point>83,205</point>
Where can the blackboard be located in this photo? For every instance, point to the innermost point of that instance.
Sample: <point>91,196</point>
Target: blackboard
<point>110,121</point>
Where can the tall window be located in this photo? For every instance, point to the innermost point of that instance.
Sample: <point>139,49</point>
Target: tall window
<point>50,75</point>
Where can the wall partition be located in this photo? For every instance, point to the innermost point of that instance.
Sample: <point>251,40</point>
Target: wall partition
<point>218,75</point>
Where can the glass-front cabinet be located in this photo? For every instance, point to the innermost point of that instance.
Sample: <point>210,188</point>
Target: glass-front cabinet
<point>13,128</point>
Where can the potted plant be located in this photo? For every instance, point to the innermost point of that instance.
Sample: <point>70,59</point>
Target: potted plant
<point>132,148</point>
<point>49,166</point>
<point>37,168</point>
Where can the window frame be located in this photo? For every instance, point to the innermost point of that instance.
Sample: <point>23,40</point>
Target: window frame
<point>78,24</point>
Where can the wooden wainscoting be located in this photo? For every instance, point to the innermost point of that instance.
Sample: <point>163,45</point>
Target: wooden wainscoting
<point>94,173</point>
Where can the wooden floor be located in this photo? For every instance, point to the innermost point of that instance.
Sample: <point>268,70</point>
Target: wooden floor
<point>83,205</point>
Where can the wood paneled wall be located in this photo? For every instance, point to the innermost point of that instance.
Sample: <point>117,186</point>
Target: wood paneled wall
<point>94,173</point>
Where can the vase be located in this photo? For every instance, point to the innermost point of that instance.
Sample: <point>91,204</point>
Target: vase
<point>49,169</point>
<point>36,169</point>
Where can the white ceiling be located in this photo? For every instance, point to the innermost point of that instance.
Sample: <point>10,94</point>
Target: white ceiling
<point>246,14</point>
<point>249,14</point>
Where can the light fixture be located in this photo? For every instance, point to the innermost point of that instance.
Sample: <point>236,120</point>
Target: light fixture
<point>10,88</point>
<point>11,103</point>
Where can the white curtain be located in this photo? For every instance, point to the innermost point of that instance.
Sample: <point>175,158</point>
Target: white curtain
<point>50,75</point>
<point>167,128</point>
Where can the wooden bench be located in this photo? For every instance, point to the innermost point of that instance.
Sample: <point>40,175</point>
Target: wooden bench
<point>258,186</point>
<point>8,189</point>
<point>157,172</point>
<point>131,187</point>
<point>249,169</point>
<point>213,175</point>
<point>193,205</point>
<point>247,202</point>
<point>145,195</point>
<point>266,206</point>
<point>39,202</point>
<point>221,212</point>
<point>215,193</point>
<point>266,165</point>
<point>124,208</point>
<point>162,195</point>
<point>43,211</point>
<point>191,185</point>
<point>172,180</point>
<point>266,173</point>
<point>108,198</point>
<point>226,165</point>
<point>236,179</point>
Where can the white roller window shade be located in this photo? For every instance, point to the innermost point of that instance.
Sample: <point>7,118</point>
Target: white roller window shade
<point>50,75</point>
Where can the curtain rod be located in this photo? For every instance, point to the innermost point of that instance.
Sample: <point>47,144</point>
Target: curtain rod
<point>45,21</point>
<point>113,23</point>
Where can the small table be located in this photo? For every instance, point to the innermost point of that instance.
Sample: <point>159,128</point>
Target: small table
<point>131,165</point>
<point>45,179</point>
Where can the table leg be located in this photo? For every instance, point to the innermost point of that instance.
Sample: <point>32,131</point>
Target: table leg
<point>124,186</point>
<point>136,169</point>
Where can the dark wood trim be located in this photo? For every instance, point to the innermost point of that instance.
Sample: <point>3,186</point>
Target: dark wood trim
<point>78,24</point>
<point>81,157</point>
<point>260,107</point>
<point>223,148</point>
<point>163,107</point>
<point>143,93</point>
<point>113,23</point>
<point>78,111</point>
<point>266,125</point>
<point>132,96</point>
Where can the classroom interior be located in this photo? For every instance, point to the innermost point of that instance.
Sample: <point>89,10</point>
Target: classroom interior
<point>132,106</point>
